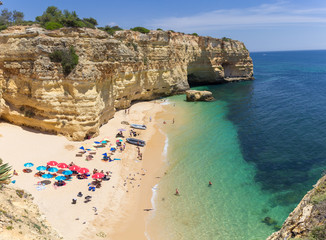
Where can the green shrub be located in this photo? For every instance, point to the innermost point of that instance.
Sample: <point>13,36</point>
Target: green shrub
<point>318,233</point>
<point>111,30</point>
<point>225,39</point>
<point>65,18</point>
<point>140,29</point>
<point>3,27</point>
<point>159,29</point>
<point>171,31</point>
<point>195,34</point>
<point>67,58</point>
<point>53,25</point>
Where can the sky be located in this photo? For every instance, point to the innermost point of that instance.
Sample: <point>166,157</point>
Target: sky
<point>263,25</point>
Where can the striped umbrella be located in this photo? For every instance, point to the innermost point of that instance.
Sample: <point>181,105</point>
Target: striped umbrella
<point>41,168</point>
<point>52,163</point>
<point>74,168</point>
<point>53,169</point>
<point>67,172</point>
<point>83,170</point>
<point>28,164</point>
<point>60,178</point>
<point>47,176</point>
<point>62,165</point>
<point>98,175</point>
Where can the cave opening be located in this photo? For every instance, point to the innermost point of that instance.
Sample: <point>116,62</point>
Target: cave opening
<point>200,72</point>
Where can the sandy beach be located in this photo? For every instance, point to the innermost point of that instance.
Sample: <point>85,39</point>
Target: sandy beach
<point>120,207</point>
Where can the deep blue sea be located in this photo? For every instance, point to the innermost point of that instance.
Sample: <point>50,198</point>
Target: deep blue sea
<point>262,144</point>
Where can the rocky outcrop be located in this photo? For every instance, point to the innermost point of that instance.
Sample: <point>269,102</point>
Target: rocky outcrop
<point>195,95</point>
<point>112,72</point>
<point>20,217</point>
<point>308,219</point>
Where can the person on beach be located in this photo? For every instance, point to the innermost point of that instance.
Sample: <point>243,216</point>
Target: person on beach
<point>150,119</point>
<point>210,183</point>
<point>177,192</point>
<point>15,173</point>
<point>173,121</point>
<point>164,122</point>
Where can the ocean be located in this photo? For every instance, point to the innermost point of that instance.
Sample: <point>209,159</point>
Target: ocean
<point>261,144</point>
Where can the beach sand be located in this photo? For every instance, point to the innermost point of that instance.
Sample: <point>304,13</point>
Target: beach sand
<point>117,210</point>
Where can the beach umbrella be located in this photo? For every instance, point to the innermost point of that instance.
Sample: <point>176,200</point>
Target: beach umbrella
<point>96,142</point>
<point>83,170</point>
<point>60,178</point>
<point>67,172</point>
<point>47,176</point>
<point>52,163</point>
<point>121,129</point>
<point>98,175</point>
<point>62,165</point>
<point>82,148</point>
<point>104,142</point>
<point>28,164</point>
<point>41,168</point>
<point>53,169</point>
<point>74,168</point>
<point>105,154</point>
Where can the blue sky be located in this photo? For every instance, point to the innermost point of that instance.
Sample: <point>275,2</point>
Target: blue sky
<point>263,25</point>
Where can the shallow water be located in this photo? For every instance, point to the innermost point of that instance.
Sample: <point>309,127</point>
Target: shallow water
<point>261,144</point>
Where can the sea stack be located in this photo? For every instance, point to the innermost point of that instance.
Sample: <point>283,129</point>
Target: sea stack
<point>195,95</point>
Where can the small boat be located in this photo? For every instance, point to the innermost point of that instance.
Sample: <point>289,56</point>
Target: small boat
<point>138,126</point>
<point>136,141</point>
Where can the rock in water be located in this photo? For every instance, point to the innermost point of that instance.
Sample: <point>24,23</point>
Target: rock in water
<point>195,95</point>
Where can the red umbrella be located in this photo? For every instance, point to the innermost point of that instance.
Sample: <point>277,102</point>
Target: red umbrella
<point>83,170</point>
<point>98,175</point>
<point>62,165</point>
<point>52,163</point>
<point>74,168</point>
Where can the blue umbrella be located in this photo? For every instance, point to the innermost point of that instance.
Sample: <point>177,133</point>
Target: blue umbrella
<point>60,178</point>
<point>67,172</point>
<point>28,164</point>
<point>97,142</point>
<point>82,148</point>
<point>104,154</point>
<point>104,142</point>
<point>47,176</point>
<point>53,169</point>
<point>41,168</point>
<point>112,149</point>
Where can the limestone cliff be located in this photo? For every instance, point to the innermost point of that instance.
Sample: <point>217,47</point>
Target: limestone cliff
<point>20,217</point>
<point>112,72</point>
<point>308,219</point>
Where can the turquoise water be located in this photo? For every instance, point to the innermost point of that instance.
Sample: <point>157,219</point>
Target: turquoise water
<point>261,144</point>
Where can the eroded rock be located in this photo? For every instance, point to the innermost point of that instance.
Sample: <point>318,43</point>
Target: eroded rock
<point>195,95</point>
<point>111,73</point>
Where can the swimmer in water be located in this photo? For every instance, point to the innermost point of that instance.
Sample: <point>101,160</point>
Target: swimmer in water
<point>210,183</point>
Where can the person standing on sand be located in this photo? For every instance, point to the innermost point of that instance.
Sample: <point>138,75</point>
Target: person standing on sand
<point>177,192</point>
<point>173,121</point>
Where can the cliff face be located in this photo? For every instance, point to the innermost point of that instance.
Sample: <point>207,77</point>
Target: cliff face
<point>111,73</point>
<point>308,219</point>
<point>20,217</point>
